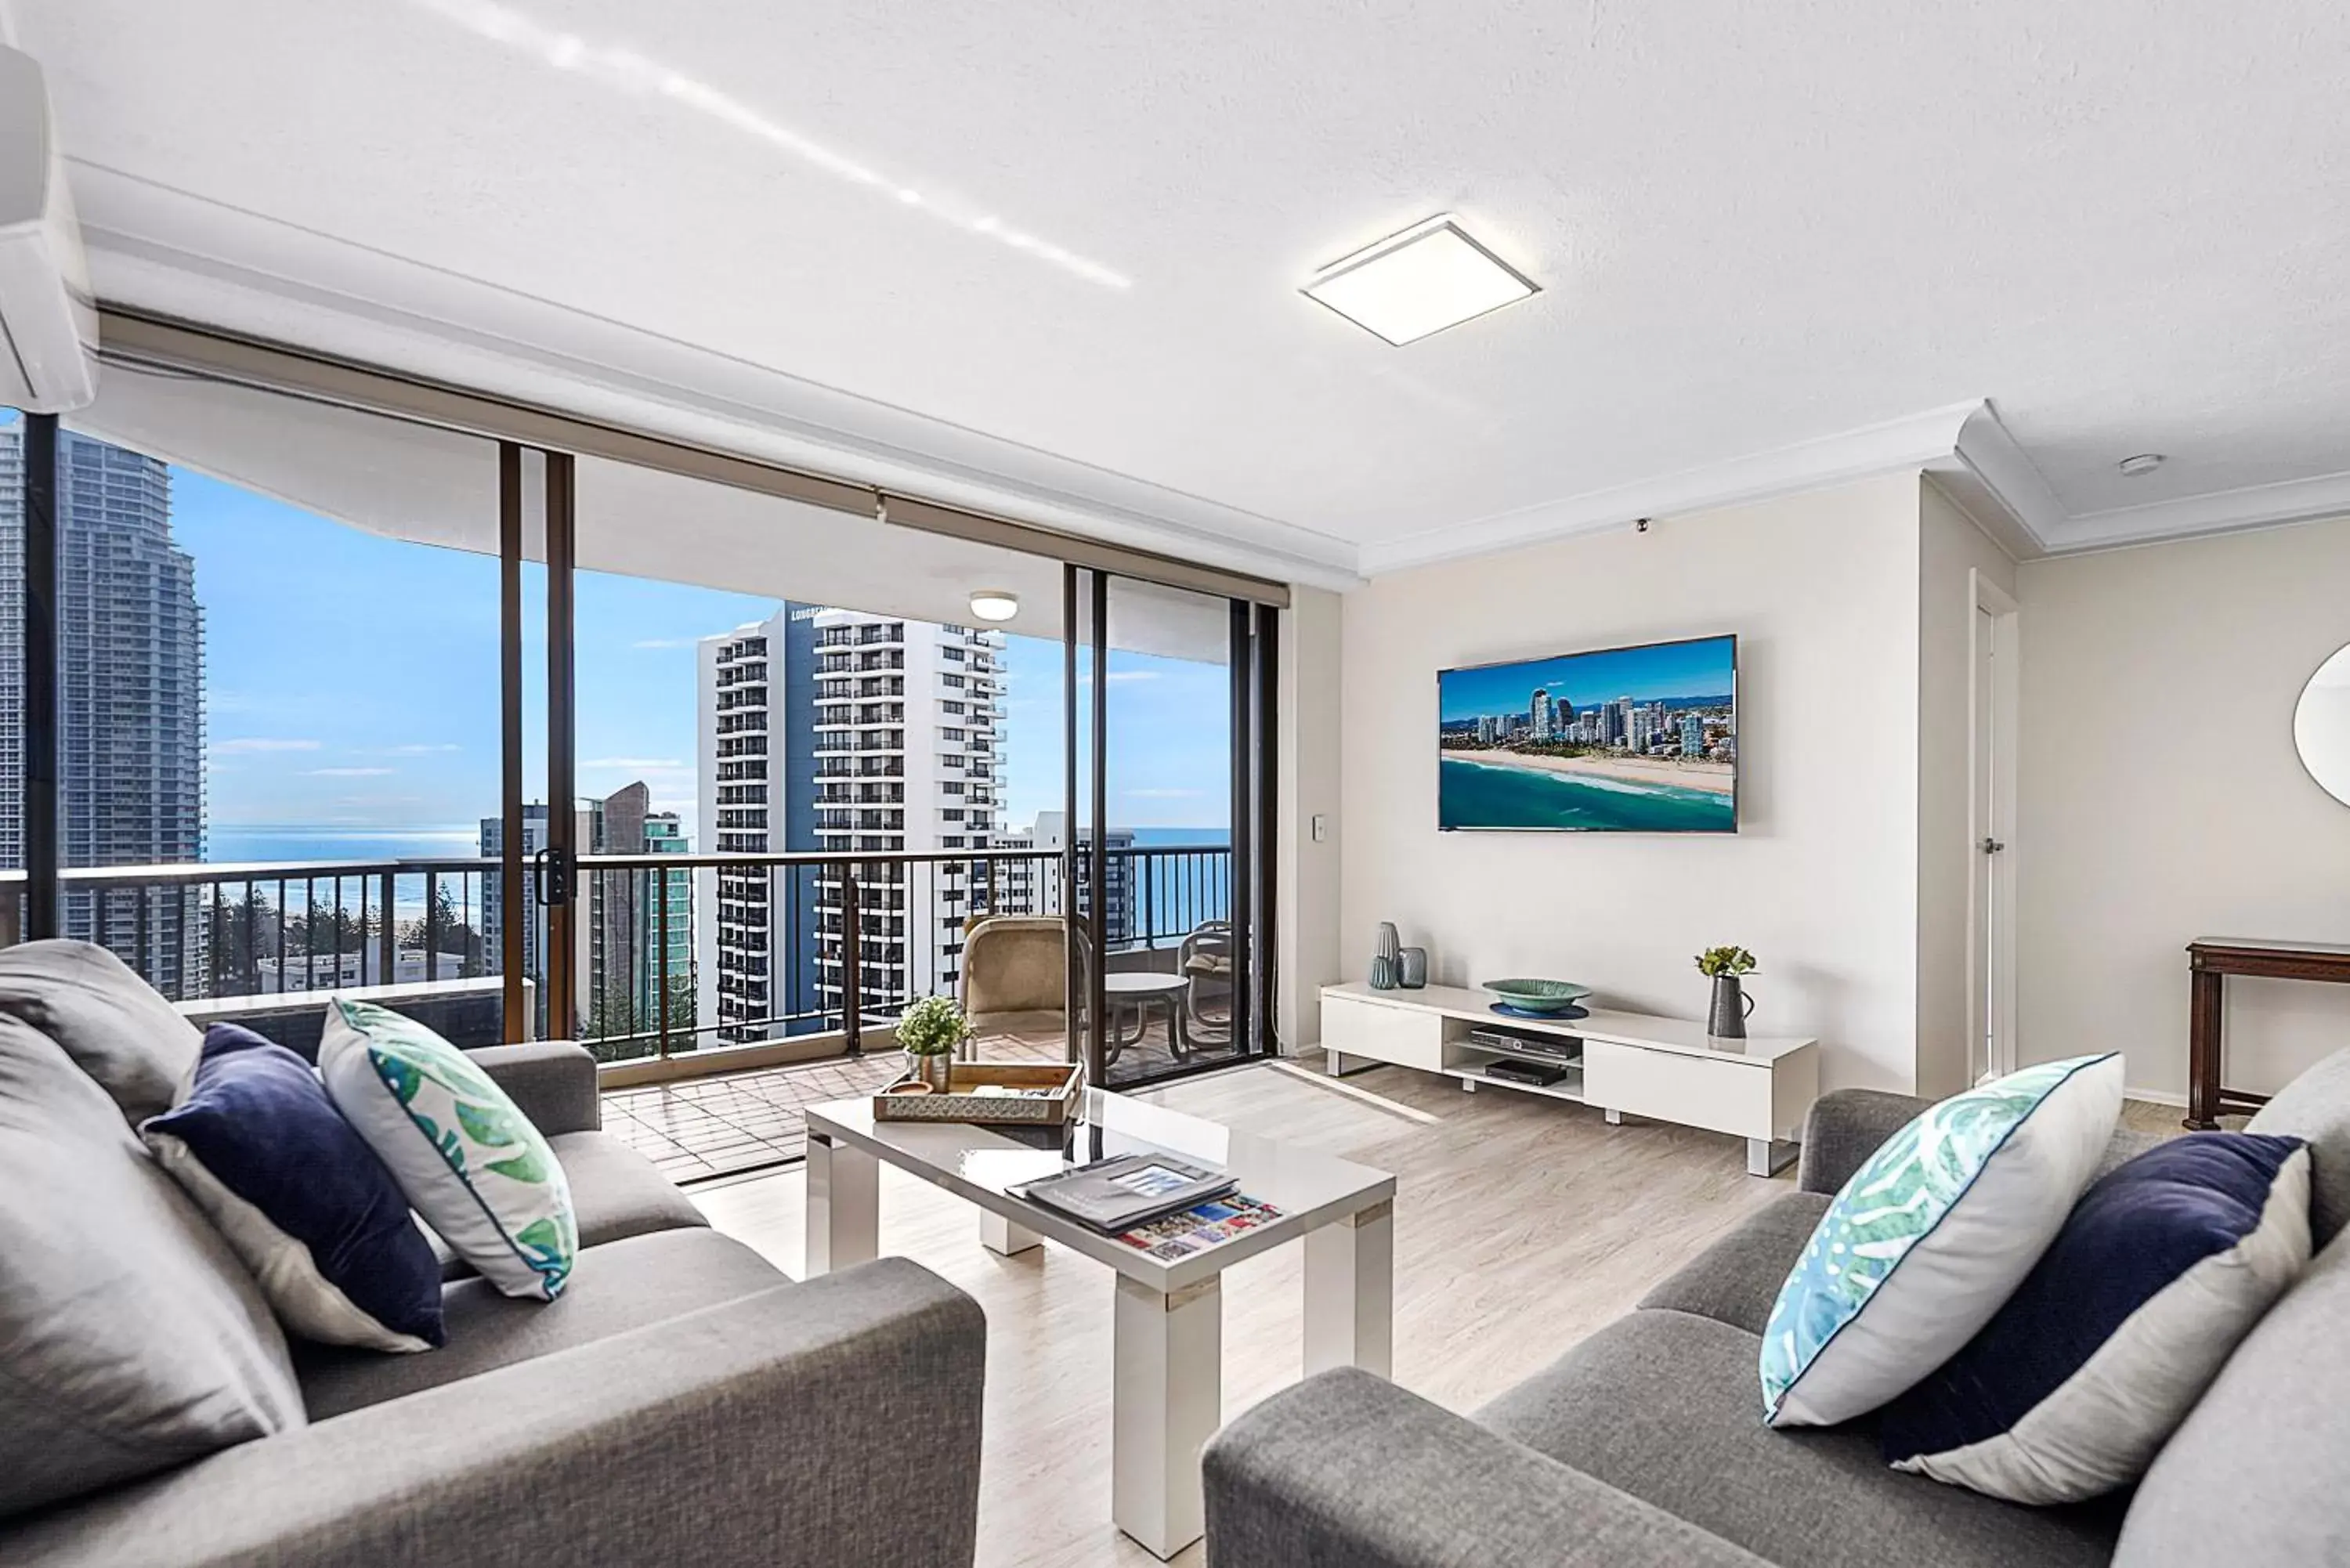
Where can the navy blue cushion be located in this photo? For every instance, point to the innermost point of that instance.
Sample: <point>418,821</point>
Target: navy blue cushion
<point>257,1123</point>
<point>2160,1270</point>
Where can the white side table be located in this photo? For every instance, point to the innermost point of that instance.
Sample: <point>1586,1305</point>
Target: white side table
<point>1138,991</point>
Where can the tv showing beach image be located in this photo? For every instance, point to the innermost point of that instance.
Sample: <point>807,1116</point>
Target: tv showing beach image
<point>1623,740</point>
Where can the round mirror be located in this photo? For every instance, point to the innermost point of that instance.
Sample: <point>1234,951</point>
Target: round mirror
<point>2321,725</point>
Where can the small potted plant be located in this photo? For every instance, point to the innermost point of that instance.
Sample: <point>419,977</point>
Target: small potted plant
<point>1724,966</point>
<point>929,1033</point>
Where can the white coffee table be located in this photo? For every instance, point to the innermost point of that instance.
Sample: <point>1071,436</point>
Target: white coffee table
<point>1166,1390</point>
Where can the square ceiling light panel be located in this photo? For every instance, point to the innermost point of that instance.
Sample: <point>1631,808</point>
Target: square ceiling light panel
<point>1428,277</point>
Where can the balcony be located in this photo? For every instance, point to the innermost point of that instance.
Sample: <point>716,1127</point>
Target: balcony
<point>237,940</point>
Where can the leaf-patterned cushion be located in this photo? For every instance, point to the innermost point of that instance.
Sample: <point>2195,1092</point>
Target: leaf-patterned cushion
<point>1931,1236</point>
<point>469,1161</point>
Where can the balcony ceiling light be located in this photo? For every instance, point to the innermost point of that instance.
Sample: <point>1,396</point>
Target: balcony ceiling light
<point>994,605</point>
<point>1428,277</point>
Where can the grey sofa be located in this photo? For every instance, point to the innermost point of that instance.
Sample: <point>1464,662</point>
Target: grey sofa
<point>1645,1444</point>
<point>683,1402</point>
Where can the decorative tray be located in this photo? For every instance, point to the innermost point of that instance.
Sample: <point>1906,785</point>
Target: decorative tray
<point>1042,1094</point>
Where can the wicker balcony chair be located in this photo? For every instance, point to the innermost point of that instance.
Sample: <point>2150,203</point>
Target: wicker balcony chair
<point>1205,960</point>
<point>1014,976</point>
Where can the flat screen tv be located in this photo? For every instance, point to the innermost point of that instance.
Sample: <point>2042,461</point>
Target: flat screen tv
<point>1620,740</point>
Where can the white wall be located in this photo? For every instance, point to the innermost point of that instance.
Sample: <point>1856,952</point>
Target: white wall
<point>1823,591</point>
<point>1950,551</point>
<point>1306,875</point>
<point>2162,798</point>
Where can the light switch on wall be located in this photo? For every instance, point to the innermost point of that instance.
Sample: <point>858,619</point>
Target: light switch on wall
<point>1321,828</point>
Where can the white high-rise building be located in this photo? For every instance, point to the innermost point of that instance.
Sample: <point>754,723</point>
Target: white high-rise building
<point>837,731</point>
<point>744,969</point>
<point>1050,836</point>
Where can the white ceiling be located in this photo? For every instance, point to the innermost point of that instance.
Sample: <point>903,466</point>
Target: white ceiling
<point>1045,257</point>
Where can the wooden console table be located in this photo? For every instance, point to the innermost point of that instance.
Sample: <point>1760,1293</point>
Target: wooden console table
<point>2210,962</point>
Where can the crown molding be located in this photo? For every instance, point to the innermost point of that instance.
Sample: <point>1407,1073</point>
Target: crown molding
<point>1995,483</point>
<point>247,274</point>
<point>1990,475</point>
<point>1912,442</point>
<point>2194,516</point>
<point>1964,447</point>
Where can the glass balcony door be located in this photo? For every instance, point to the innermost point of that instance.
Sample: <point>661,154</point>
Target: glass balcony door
<point>1162,864</point>
<point>534,838</point>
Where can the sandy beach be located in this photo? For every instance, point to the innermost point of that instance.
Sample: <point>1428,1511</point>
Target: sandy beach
<point>1715,778</point>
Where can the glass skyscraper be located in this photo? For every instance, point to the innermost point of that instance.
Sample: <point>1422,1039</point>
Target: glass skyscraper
<point>131,663</point>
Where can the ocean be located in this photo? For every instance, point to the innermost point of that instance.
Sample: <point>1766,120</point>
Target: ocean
<point>1471,795</point>
<point>239,841</point>
<point>234,842</point>
<point>1183,891</point>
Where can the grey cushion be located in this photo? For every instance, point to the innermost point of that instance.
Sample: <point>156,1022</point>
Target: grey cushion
<point>613,1289</point>
<point>114,1026</point>
<point>2316,1106</point>
<point>1737,1279</point>
<point>130,1337</point>
<point>615,1192</point>
<point>2260,1471</point>
<point>1665,1406</point>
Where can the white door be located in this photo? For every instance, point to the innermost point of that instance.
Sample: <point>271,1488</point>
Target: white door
<point>1991,1006</point>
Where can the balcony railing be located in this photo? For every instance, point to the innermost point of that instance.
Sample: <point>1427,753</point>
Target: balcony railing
<point>820,945</point>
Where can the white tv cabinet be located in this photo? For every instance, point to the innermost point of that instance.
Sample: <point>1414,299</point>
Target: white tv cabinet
<point>1633,1065</point>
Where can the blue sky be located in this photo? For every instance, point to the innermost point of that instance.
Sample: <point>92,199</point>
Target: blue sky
<point>352,684</point>
<point>1700,668</point>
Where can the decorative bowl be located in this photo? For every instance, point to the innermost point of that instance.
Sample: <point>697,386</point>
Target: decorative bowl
<point>1537,995</point>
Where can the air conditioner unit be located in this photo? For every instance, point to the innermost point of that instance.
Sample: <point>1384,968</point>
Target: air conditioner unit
<point>48,320</point>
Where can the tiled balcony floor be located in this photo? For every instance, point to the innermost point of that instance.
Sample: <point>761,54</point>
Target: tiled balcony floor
<point>701,1127</point>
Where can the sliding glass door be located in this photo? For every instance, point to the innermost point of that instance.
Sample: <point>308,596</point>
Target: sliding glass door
<point>658,753</point>
<point>1168,746</point>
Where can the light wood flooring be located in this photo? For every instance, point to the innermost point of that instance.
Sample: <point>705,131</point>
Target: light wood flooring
<point>1522,1225</point>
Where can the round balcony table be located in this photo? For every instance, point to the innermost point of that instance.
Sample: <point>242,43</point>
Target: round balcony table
<point>1134,994</point>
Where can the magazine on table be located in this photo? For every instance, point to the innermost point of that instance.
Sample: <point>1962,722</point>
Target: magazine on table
<point>1115,1195</point>
<point>1199,1227</point>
